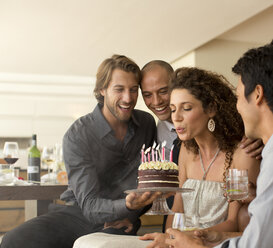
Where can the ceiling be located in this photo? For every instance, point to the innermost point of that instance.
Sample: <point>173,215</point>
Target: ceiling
<point>72,37</point>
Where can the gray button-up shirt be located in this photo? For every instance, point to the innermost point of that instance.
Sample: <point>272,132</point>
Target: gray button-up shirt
<point>259,232</point>
<point>100,167</point>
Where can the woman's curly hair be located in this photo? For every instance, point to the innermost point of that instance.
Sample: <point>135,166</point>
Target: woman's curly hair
<point>215,93</point>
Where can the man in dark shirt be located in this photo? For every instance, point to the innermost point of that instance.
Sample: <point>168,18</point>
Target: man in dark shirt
<point>102,155</point>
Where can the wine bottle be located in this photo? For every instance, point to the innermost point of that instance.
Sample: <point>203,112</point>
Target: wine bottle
<point>34,161</point>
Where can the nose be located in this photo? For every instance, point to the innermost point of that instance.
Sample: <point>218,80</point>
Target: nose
<point>156,100</point>
<point>177,116</point>
<point>127,96</point>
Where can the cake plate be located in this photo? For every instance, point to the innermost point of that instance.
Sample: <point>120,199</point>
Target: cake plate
<point>160,206</point>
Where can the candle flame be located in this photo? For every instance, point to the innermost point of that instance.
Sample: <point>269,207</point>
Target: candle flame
<point>147,150</point>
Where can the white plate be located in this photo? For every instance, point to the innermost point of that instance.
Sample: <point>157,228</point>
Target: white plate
<point>159,189</point>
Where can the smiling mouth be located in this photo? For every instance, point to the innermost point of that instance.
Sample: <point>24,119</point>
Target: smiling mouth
<point>161,109</point>
<point>125,107</point>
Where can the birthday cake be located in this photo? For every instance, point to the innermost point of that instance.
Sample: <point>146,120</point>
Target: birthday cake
<point>158,174</point>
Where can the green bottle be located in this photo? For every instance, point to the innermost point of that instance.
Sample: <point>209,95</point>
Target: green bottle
<point>34,161</point>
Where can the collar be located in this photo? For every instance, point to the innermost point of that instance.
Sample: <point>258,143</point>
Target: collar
<point>268,147</point>
<point>169,125</point>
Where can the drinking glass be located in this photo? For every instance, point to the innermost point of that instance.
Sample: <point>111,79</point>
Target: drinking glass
<point>11,152</point>
<point>180,222</point>
<point>48,159</point>
<point>6,174</point>
<point>237,184</point>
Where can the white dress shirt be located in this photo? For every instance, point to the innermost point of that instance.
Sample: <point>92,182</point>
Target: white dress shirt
<point>259,232</point>
<point>166,131</point>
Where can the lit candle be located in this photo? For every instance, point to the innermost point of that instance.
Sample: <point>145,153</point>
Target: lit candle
<point>148,152</point>
<point>153,151</point>
<point>163,150</point>
<point>157,148</point>
<point>171,154</point>
<point>142,153</point>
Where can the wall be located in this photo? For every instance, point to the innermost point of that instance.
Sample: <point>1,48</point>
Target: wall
<point>44,104</point>
<point>217,55</point>
<point>221,55</point>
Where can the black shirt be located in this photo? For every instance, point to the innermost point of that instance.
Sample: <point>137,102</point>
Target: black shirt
<point>100,167</point>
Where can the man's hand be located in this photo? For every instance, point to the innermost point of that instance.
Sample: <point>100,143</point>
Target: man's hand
<point>136,201</point>
<point>158,240</point>
<point>119,224</point>
<point>184,240</point>
<point>252,147</point>
<point>251,193</point>
<point>213,238</point>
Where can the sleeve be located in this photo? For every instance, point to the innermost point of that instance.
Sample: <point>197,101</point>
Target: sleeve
<point>83,180</point>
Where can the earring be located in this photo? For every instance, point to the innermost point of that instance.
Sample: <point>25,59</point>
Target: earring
<point>211,125</point>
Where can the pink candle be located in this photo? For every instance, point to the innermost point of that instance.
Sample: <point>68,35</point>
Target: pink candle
<point>147,152</point>
<point>163,150</point>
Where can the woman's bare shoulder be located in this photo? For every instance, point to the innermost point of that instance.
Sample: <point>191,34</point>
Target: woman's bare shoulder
<point>242,161</point>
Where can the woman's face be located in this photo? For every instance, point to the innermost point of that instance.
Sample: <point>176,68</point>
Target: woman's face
<point>188,115</point>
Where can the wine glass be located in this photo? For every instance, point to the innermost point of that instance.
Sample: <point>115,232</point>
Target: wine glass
<point>48,159</point>
<point>11,152</point>
<point>237,184</point>
<point>61,175</point>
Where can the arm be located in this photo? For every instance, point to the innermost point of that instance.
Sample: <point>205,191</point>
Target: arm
<point>231,223</point>
<point>178,202</point>
<point>240,161</point>
<point>81,164</point>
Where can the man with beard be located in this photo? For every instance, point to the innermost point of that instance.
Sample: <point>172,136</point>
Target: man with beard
<point>102,155</point>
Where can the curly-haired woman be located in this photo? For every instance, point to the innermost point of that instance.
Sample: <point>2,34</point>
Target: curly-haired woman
<point>203,107</point>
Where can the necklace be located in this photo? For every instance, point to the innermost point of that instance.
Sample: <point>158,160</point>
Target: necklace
<point>210,164</point>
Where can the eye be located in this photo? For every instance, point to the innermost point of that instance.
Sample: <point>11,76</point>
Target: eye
<point>163,92</point>
<point>146,95</point>
<point>187,109</point>
<point>134,90</point>
<point>118,89</point>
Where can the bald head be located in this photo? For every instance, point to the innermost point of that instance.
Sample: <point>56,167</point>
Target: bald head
<point>155,84</point>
